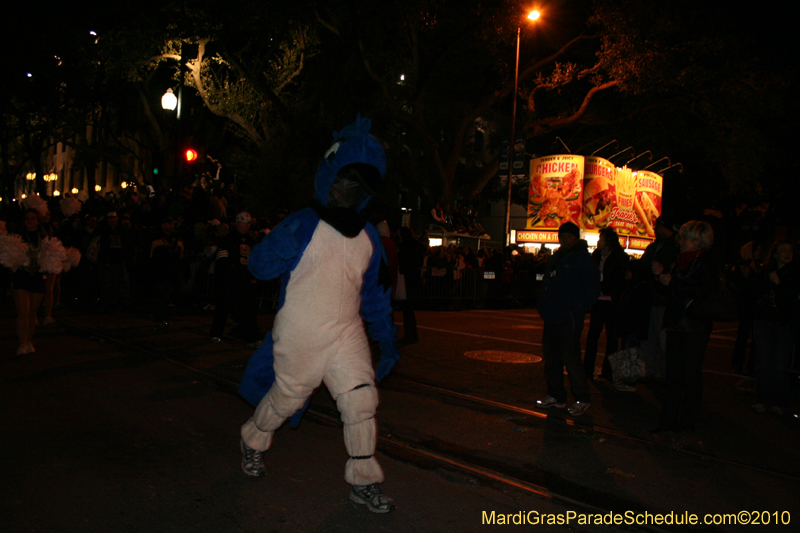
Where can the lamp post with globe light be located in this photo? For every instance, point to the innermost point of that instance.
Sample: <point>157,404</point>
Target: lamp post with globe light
<point>532,16</point>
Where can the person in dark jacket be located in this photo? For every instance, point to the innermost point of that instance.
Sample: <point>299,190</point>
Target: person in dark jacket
<point>571,285</point>
<point>235,285</point>
<point>664,250</point>
<point>777,313</point>
<point>166,253</point>
<point>410,256</point>
<point>113,252</point>
<point>745,277</point>
<point>691,279</point>
<point>613,263</point>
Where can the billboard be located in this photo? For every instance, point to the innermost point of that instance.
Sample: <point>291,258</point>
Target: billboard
<point>555,192</point>
<point>599,193</point>
<point>647,202</point>
<point>593,193</point>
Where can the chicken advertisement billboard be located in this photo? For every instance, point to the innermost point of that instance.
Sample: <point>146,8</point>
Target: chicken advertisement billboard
<point>555,192</point>
<point>593,193</point>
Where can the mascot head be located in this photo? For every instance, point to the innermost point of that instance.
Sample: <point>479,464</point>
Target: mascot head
<point>352,169</point>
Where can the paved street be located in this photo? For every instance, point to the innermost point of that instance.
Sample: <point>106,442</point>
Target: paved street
<point>117,425</point>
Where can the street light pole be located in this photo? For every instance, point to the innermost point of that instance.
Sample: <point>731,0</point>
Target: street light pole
<point>533,15</point>
<point>511,142</point>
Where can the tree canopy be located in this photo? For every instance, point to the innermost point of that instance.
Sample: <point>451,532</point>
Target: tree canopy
<point>267,81</point>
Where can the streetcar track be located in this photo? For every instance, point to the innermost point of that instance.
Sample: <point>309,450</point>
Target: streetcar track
<point>387,441</point>
<point>462,396</point>
<point>538,344</point>
<point>594,428</point>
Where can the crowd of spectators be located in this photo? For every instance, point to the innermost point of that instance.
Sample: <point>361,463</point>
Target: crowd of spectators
<point>152,250</point>
<point>145,248</point>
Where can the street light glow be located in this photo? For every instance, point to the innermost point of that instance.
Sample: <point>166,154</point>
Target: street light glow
<point>169,101</point>
<point>533,15</point>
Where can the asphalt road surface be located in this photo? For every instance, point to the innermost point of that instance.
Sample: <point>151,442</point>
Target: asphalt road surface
<point>117,425</point>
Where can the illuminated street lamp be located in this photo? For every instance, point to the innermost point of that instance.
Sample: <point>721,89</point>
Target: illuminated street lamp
<point>533,16</point>
<point>74,190</point>
<point>30,176</point>
<point>98,188</point>
<point>169,101</point>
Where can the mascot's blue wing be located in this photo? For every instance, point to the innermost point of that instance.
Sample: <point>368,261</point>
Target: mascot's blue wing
<point>259,377</point>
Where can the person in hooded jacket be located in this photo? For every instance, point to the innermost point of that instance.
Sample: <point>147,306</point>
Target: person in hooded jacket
<point>571,285</point>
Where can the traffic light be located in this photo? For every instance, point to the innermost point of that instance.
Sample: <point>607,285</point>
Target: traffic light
<point>191,155</point>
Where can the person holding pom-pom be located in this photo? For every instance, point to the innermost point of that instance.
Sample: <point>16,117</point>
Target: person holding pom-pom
<point>29,255</point>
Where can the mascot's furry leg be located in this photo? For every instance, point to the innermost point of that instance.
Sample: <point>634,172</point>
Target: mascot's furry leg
<point>357,407</point>
<point>276,406</point>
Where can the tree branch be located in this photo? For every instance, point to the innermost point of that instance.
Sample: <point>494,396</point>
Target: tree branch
<point>549,124</point>
<point>195,68</point>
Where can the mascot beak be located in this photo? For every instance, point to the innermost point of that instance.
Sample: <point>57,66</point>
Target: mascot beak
<point>366,175</point>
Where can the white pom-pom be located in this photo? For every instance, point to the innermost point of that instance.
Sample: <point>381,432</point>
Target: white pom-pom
<point>13,252</point>
<point>35,202</point>
<point>51,255</point>
<point>70,206</point>
<point>72,260</point>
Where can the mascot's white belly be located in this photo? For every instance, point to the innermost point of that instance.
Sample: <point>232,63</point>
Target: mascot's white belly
<point>319,326</point>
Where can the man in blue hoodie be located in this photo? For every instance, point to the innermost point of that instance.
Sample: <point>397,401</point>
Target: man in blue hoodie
<point>571,285</point>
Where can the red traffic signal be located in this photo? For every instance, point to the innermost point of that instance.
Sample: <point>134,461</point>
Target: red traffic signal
<point>191,155</point>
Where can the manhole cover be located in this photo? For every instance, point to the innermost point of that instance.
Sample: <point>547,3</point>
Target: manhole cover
<point>496,356</point>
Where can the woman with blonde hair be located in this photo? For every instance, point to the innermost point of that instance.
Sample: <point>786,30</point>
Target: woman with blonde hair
<point>693,277</point>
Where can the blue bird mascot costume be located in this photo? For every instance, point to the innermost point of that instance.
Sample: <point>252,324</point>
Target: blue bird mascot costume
<point>333,274</point>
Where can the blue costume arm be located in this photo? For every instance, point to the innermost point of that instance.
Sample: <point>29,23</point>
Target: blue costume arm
<point>280,251</point>
<point>376,305</point>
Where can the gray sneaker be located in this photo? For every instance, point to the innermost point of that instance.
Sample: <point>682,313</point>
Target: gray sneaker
<point>548,402</point>
<point>372,496</point>
<point>252,460</point>
<point>578,408</point>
